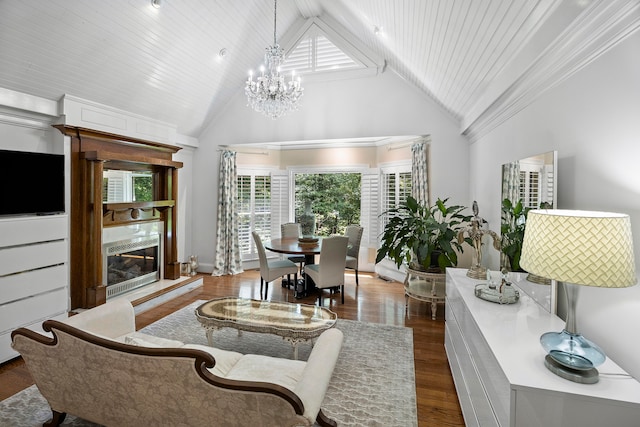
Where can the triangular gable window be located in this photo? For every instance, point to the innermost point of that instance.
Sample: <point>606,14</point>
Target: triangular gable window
<point>317,53</point>
<point>320,50</point>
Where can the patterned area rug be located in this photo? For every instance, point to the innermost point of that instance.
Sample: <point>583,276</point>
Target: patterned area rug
<point>373,383</point>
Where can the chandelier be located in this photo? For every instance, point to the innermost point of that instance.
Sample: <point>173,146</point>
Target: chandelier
<point>270,93</point>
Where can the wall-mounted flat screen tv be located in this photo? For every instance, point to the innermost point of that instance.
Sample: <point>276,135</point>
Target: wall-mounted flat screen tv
<point>32,183</point>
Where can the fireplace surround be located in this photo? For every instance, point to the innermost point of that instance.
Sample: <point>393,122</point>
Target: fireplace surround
<point>91,153</point>
<point>130,264</point>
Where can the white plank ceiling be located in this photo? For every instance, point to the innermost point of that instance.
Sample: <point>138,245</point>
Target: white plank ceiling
<point>163,63</point>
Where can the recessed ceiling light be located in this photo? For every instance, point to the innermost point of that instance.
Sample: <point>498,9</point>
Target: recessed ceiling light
<point>222,53</point>
<point>156,3</point>
<point>378,31</point>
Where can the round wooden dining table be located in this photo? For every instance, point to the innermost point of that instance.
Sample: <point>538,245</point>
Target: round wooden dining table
<point>291,246</point>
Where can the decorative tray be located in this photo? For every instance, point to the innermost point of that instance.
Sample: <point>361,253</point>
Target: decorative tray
<point>492,293</point>
<point>307,242</point>
<point>308,239</point>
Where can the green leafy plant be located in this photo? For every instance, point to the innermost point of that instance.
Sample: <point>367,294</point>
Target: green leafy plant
<point>514,217</point>
<point>423,236</point>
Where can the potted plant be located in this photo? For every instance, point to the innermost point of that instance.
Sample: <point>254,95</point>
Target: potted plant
<point>514,217</point>
<point>424,237</point>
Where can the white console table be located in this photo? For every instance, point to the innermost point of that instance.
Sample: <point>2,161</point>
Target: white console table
<point>498,367</point>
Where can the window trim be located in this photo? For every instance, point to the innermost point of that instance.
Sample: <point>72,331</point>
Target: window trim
<point>396,168</point>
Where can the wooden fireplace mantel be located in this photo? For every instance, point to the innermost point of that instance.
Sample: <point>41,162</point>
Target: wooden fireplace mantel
<point>124,213</point>
<point>92,152</point>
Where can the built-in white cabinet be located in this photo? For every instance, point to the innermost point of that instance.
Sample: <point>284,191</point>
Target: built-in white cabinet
<point>498,367</point>
<point>34,274</point>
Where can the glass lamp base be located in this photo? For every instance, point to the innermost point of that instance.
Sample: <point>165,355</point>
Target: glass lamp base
<point>572,356</point>
<point>583,376</point>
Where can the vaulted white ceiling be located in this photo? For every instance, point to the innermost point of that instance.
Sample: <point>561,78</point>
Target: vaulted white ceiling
<point>164,63</point>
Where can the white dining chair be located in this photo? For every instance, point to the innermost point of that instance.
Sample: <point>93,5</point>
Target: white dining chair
<point>271,270</point>
<point>354,234</point>
<point>329,272</point>
<point>290,230</point>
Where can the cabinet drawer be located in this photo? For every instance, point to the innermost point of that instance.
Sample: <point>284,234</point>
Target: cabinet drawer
<point>482,412</point>
<point>27,230</point>
<point>491,374</point>
<point>492,377</point>
<point>24,258</point>
<point>7,353</point>
<point>18,286</point>
<point>33,309</point>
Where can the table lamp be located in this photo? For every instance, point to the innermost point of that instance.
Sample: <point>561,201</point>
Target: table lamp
<point>577,248</point>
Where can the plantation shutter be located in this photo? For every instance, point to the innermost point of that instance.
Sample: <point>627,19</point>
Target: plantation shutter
<point>395,187</point>
<point>279,201</point>
<point>370,206</point>
<point>404,187</point>
<point>115,188</point>
<point>315,54</point>
<point>262,206</point>
<point>244,214</point>
<point>548,184</point>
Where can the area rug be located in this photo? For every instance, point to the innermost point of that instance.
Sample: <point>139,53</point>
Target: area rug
<point>373,383</point>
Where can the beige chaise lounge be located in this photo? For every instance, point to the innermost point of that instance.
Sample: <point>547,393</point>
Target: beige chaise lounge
<point>97,367</point>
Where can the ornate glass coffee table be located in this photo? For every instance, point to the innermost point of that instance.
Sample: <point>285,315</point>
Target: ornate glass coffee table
<point>295,323</point>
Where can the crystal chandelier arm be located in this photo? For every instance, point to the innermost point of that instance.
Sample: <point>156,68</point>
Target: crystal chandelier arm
<point>275,14</point>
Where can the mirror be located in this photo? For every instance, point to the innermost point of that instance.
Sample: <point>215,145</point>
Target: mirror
<point>528,183</point>
<point>121,186</point>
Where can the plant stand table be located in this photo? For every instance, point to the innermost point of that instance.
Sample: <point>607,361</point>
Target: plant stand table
<point>295,323</point>
<point>427,287</point>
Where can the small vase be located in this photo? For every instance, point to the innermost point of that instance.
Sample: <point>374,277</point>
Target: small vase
<point>193,261</point>
<point>307,221</point>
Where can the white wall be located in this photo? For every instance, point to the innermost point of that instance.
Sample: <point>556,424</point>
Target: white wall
<point>593,121</point>
<point>384,105</point>
<point>21,138</point>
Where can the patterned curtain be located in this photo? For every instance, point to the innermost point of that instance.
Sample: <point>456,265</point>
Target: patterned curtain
<point>511,181</point>
<point>419,172</point>
<point>228,258</point>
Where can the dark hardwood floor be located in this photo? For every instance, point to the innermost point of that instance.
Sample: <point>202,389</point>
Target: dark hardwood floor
<point>375,300</point>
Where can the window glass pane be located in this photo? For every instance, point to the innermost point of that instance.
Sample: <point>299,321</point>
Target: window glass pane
<point>121,186</point>
<point>390,194</point>
<point>142,188</point>
<point>262,207</point>
<point>404,187</point>
<point>534,190</point>
<point>396,187</point>
<point>335,199</point>
<point>244,214</point>
<point>105,190</point>
<point>522,187</point>
<point>529,189</point>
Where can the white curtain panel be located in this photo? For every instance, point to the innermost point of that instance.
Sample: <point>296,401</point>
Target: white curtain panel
<point>419,172</point>
<point>228,259</point>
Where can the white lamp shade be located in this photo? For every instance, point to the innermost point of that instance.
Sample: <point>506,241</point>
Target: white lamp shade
<point>581,247</point>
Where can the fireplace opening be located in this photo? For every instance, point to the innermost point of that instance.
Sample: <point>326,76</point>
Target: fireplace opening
<point>130,264</point>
